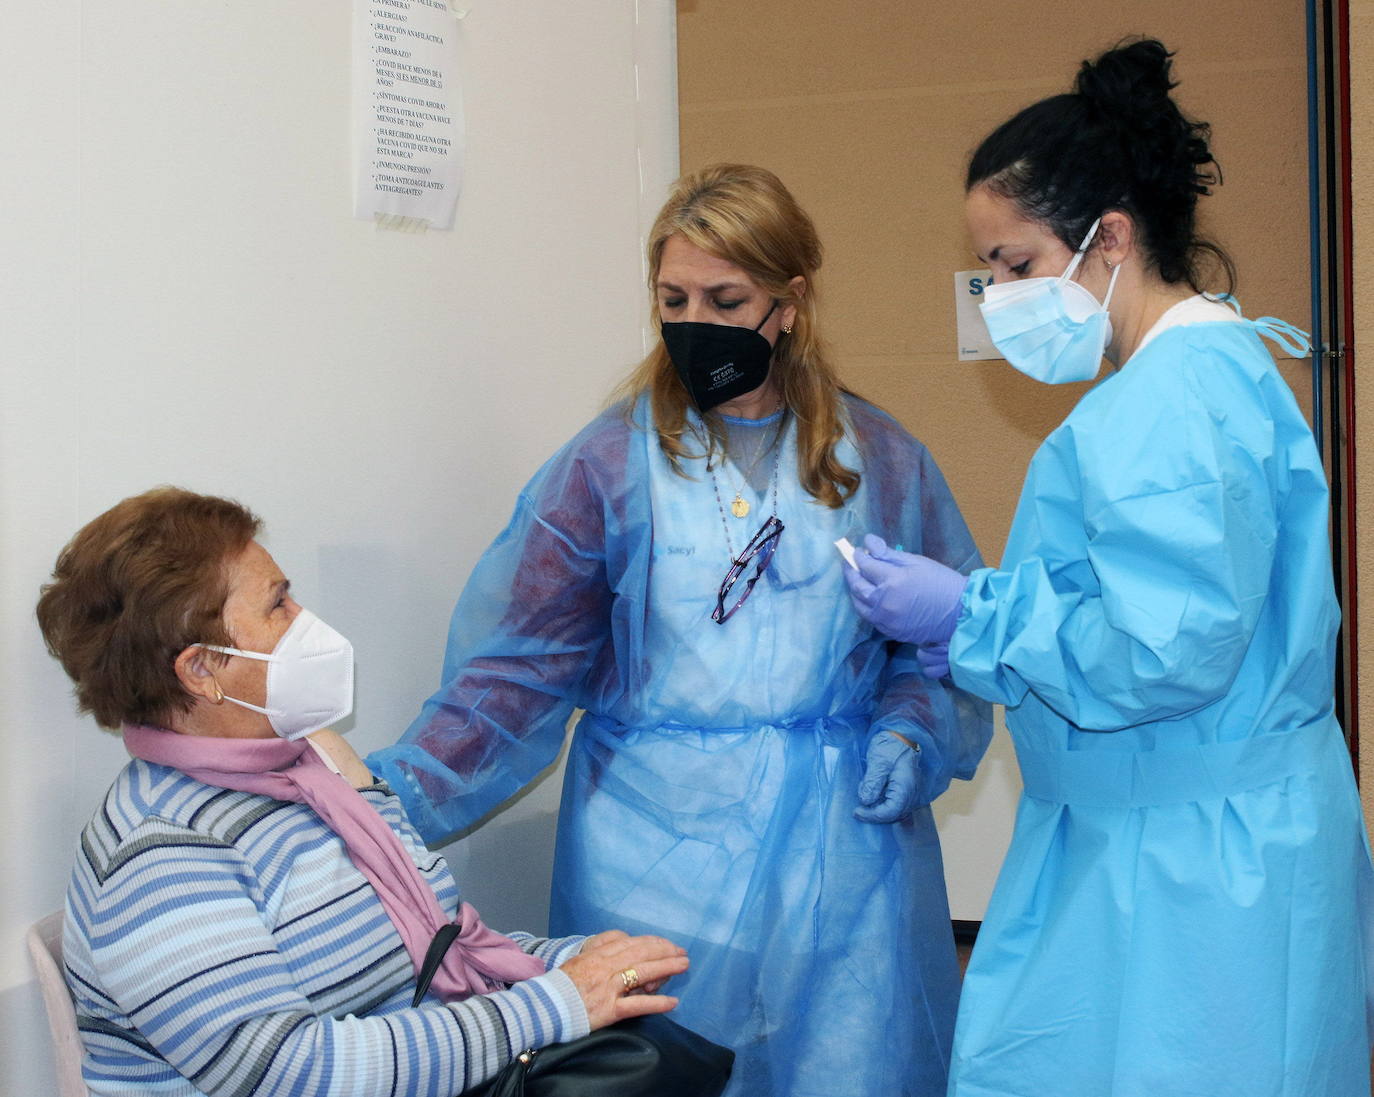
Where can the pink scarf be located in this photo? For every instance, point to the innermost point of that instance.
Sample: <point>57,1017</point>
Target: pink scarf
<point>479,960</point>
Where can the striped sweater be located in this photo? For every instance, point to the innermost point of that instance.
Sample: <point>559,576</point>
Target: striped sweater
<point>222,943</point>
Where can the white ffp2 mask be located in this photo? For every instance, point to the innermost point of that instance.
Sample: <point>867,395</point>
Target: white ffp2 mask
<point>309,677</point>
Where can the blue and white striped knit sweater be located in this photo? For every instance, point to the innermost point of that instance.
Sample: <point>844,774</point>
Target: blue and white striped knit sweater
<point>222,943</point>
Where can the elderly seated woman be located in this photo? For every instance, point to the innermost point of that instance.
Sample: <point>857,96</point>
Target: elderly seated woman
<point>243,917</point>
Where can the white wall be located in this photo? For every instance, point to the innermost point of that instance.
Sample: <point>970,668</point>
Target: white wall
<point>975,821</point>
<point>186,299</point>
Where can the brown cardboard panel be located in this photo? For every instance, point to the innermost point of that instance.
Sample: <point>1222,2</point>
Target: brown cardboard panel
<point>884,182</point>
<point>767,49</point>
<point>869,113</point>
<point>982,421</point>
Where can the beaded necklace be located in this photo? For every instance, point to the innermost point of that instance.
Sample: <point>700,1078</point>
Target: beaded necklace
<point>720,505</point>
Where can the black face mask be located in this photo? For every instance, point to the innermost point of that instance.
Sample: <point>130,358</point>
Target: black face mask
<point>717,362</point>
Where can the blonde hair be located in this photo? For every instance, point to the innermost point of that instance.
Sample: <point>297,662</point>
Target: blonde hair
<point>744,215</point>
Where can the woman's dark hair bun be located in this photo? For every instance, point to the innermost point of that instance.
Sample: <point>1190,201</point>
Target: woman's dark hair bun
<point>1130,79</point>
<point>1128,88</point>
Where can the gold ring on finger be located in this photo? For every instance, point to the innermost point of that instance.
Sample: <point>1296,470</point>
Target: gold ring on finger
<point>630,978</point>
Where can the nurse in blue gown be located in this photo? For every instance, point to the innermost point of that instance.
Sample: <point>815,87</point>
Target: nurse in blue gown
<point>754,769</point>
<point>1185,907</point>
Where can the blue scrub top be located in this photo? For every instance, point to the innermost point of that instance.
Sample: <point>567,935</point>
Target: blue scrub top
<point>1185,907</point>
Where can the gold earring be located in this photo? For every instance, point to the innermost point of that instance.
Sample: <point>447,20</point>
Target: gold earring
<point>787,329</point>
<point>219,695</point>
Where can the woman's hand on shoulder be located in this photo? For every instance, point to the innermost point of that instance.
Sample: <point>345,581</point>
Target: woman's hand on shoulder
<point>345,758</point>
<point>619,976</point>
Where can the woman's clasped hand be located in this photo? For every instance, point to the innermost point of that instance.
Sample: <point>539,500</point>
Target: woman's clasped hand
<point>619,976</point>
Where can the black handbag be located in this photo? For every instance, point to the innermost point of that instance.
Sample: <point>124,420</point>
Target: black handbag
<point>639,1057</point>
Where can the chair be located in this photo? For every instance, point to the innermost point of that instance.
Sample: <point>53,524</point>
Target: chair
<point>45,946</point>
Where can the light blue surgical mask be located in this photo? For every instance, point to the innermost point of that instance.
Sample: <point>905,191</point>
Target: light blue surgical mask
<point>1051,329</point>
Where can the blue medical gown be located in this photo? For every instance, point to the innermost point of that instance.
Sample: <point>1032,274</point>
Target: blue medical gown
<point>711,784</point>
<point>1184,909</point>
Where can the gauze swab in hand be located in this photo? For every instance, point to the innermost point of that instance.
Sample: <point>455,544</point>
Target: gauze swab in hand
<point>847,551</point>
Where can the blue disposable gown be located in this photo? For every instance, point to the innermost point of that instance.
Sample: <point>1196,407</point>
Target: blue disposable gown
<point>1184,908</point>
<point>711,785</point>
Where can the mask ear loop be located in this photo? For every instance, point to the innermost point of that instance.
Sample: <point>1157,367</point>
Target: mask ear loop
<point>1070,270</point>
<point>266,657</point>
<point>766,315</point>
<point>1111,286</point>
<point>1082,251</point>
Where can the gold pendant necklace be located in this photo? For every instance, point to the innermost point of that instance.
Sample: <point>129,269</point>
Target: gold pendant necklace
<point>739,506</point>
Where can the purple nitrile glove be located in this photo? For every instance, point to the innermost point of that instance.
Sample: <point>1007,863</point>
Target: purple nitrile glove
<point>934,660</point>
<point>910,598</point>
<point>892,777</point>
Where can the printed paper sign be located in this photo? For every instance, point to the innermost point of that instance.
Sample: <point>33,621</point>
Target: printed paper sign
<point>974,342</point>
<point>408,112</point>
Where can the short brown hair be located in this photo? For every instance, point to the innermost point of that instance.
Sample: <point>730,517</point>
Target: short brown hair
<point>134,588</point>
